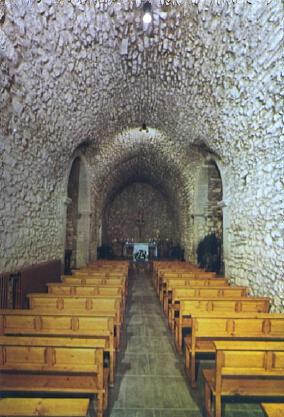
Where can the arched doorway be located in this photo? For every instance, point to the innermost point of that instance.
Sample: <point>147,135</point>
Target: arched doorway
<point>78,214</point>
<point>208,218</point>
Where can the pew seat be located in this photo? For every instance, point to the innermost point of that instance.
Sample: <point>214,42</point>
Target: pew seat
<point>49,407</point>
<point>273,409</point>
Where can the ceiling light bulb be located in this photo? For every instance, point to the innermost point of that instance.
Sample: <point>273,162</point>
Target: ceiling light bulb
<point>147,16</point>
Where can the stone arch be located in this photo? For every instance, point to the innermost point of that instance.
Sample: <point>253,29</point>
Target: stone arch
<point>207,216</point>
<point>150,158</point>
<point>77,234</point>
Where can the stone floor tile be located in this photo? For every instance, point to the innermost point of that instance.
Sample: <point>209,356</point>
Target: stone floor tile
<point>134,364</point>
<point>167,392</point>
<point>132,412</point>
<point>163,365</point>
<point>177,413</point>
<point>148,345</point>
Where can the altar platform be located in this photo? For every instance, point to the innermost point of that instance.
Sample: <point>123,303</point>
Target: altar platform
<point>140,251</point>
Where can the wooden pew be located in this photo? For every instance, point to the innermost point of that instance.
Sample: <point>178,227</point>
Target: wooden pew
<point>102,263</point>
<point>98,306</point>
<point>106,276</point>
<point>273,409</point>
<point>30,323</point>
<point>111,268</point>
<point>187,276</point>
<point>172,267</point>
<point>172,272</point>
<point>244,368</point>
<point>49,302</point>
<point>191,274</point>
<point>49,407</point>
<point>96,281</point>
<point>53,365</point>
<point>87,290</point>
<point>205,329</point>
<point>167,284</point>
<point>171,284</point>
<point>103,274</point>
<point>187,308</point>
<point>181,293</point>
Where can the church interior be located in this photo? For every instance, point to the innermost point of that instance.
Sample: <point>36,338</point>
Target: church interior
<point>142,208</point>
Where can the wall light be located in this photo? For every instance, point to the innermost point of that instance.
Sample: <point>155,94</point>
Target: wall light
<point>144,128</point>
<point>147,16</point>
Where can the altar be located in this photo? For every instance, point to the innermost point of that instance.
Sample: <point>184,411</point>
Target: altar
<point>140,251</point>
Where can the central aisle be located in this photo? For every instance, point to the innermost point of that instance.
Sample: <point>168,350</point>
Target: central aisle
<point>150,381</point>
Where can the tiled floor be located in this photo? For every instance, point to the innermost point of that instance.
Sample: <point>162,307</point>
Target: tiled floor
<point>150,381</point>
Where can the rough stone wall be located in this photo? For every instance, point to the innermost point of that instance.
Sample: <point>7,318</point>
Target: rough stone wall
<point>256,230</point>
<point>31,211</point>
<point>139,201</point>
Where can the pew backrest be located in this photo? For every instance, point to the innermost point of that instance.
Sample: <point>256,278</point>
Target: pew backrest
<point>211,327</point>
<point>103,274</point>
<point>86,290</point>
<point>45,354</point>
<point>98,305</point>
<point>180,293</point>
<point>65,325</point>
<point>171,283</point>
<point>242,304</point>
<point>188,274</point>
<point>93,281</point>
<point>246,358</point>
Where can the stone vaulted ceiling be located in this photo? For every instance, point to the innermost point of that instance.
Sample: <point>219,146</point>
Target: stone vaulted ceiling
<point>75,70</point>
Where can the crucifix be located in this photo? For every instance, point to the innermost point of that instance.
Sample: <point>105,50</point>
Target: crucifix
<point>140,222</point>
